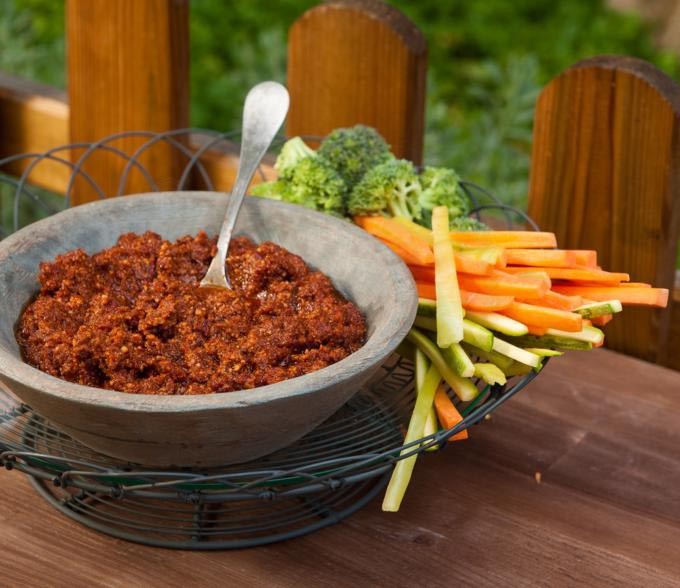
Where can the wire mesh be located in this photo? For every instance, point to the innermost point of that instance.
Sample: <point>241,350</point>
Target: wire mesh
<point>330,473</point>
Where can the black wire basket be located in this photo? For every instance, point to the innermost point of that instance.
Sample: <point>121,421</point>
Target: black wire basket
<point>321,479</point>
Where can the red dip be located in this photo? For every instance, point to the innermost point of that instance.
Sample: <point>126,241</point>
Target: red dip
<point>132,318</point>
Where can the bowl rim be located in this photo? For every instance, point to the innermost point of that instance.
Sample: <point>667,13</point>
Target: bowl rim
<point>375,350</point>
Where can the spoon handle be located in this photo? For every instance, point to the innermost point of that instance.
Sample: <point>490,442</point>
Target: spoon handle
<point>265,109</point>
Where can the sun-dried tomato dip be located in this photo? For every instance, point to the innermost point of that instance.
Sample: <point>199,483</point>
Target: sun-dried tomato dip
<point>132,318</point>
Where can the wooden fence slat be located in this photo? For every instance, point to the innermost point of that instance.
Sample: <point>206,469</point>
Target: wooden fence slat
<point>358,61</point>
<point>33,119</point>
<point>605,175</point>
<point>128,70</point>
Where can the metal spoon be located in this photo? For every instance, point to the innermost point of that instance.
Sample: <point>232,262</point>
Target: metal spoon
<point>264,111</point>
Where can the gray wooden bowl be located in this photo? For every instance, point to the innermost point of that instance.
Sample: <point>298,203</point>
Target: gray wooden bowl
<point>215,429</point>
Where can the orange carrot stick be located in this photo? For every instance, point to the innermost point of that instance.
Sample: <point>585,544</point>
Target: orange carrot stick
<point>471,265</point>
<point>532,274</point>
<point>637,296</point>
<point>601,321</point>
<point>581,274</point>
<point>470,300</point>
<point>448,414</point>
<point>585,257</point>
<point>556,300</point>
<point>464,264</point>
<point>507,239</point>
<point>541,257</point>
<point>502,286</point>
<point>538,331</point>
<point>405,255</point>
<point>542,316</point>
<point>386,228</point>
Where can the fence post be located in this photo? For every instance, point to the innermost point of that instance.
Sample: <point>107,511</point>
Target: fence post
<point>358,61</point>
<point>128,70</point>
<point>605,175</point>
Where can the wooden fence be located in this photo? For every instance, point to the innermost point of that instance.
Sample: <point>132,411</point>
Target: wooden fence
<point>605,161</point>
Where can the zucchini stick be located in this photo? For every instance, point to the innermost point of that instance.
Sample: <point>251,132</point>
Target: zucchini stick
<point>416,426</point>
<point>449,305</point>
<point>464,388</point>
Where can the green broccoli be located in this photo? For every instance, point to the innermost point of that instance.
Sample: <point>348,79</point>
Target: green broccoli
<point>272,190</point>
<point>441,187</point>
<point>315,184</point>
<point>468,223</point>
<point>391,188</point>
<point>312,183</point>
<point>353,151</point>
<point>292,153</point>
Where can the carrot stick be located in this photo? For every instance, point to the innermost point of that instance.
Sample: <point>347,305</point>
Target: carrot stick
<point>638,296</point>
<point>386,228</point>
<point>418,231</point>
<point>448,414</point>
<point>541,316</point>
<point>405,255</point>
<point>635,285</point>
<point>585,257</point>
<point>556,300</point>
<point>507,239</point>
<point>471,265</point>
<point>502,286</point>
<point>423,274</point>
<point>464,264</point>
<point>541,257</point>
<point>580,274</point>
<point>531,274</point>
<point>538,331</point>
<point>426,290</point>
<point>470,300</point>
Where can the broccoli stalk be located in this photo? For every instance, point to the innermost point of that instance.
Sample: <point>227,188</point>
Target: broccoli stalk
<point>391,188</point>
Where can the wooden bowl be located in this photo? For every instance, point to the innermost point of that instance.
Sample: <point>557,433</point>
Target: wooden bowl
<point>215,429</point>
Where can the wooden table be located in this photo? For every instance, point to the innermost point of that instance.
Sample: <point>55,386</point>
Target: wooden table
<point>603,431</point>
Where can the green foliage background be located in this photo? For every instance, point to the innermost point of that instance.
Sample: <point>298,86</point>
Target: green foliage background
<point>488,60</point>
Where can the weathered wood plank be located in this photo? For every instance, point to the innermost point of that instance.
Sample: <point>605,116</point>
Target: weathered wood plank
<point>33,119</point>
<point>128,67</point>
<point>604,514</point>
<point>605,175</point>
<point>358,61</point>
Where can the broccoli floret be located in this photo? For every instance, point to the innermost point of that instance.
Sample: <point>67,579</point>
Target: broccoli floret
<point>315,184</point>
<point>441,187</point>
<point>468,223</point>
<point>391,188</point>
<point>292,153</point>
<point>353,151</point>
<point>272,190</point>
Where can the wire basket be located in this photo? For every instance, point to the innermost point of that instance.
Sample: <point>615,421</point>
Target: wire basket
<point>323,478</point>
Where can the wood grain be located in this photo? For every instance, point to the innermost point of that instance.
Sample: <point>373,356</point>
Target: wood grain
<point>128,70</point>
<point>33,119</point>
<point>605,175</point>
<point>358,61</point>
<point>606,513</point>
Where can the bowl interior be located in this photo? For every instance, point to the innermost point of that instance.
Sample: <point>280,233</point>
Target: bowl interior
<point>361,268</point>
